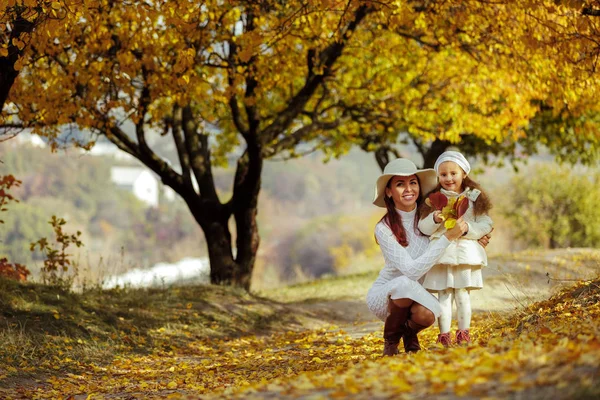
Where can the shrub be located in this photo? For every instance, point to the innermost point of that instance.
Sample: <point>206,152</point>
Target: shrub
<point>10,270</point>
<point>555,207</point>
<point>57,261</point>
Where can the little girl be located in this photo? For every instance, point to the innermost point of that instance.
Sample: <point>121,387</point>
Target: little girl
<point>458,271</point>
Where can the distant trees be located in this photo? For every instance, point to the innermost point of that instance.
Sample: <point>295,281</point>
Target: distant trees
<point>79,189</point>
<point>555,207</point>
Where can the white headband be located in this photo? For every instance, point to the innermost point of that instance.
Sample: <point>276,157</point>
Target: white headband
<point>453,156</point>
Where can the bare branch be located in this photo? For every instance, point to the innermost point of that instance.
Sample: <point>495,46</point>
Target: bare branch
<point>197,148</point>
<point>142,109</point>
<point>233,101</point>
<point>290,141</point>
<point>149,158</point>
<point>590,11</point>
<point>251,85</point>
<point>313,81</point>
<point>184,160</point>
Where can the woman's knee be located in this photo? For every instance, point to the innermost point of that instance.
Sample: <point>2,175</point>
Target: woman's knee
<point>422,315</point>
<point>402,303</point>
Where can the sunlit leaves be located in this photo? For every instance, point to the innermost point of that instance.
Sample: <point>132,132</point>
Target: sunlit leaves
<point>441,71</point>
<point>552,344</point>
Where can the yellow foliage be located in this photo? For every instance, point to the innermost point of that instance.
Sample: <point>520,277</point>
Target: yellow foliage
<point>439,73</point>
<point>551,344</point>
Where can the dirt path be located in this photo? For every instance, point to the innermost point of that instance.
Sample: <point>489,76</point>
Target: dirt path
<point>510,282</point>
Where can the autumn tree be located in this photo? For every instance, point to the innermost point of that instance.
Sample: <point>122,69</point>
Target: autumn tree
<point>21,23</point>
<point>530,83</point>
<point>236,77</point>
<point>243,82</point>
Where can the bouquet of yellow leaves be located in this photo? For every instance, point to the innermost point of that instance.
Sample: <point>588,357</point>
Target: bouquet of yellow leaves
<point>451,208</point>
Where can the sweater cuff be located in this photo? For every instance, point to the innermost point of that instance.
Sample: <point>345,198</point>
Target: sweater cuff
<point>443,239</point>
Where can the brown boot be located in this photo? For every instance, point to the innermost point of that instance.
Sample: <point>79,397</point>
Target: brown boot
<point>394,328</point>
<point>411,341</point>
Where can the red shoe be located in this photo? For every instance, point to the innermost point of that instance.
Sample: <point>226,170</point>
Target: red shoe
<point>444,339</point>
<point>463,336</point>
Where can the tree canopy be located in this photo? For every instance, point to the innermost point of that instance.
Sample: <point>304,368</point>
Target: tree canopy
<point>243,82</point>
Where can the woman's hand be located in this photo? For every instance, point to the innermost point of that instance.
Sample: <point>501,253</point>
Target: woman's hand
<point>459,229</point>
<point>484,240</point>
<point>437,217</point>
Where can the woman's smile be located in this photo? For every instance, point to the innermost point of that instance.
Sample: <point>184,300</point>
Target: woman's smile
<point>404,190</point>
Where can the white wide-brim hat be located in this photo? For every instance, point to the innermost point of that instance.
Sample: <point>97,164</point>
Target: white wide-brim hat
<point>403,167</point>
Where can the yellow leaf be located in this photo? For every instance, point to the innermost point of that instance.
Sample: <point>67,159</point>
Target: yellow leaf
<point>3,52</point>
<point>55,5</point>
<point>172,385</point>
<point>450,223</point>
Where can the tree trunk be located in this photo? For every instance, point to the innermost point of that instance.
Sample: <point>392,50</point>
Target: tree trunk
<point>433,152</point>
<point>8,74</point>
<point>382,157</point>
<point>247,246</point>
<point>245,207</point>
<point>213,217</point>
<point>225,269</point>
<point>7,78</point>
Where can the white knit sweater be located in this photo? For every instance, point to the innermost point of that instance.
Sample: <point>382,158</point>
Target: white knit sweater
<point>404,267</point>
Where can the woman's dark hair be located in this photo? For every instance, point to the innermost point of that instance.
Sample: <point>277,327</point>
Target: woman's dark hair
<point>393,219</point>
<point>481,206</point>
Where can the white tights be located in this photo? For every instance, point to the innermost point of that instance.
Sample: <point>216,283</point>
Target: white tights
<point>463,308</point>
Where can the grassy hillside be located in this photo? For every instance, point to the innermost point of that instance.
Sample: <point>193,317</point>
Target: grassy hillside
<point>306,340</point>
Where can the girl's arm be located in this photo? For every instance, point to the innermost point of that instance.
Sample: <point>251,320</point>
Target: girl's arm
<point>396,256</point>
<point>427,225</point>
<point>480,227</point>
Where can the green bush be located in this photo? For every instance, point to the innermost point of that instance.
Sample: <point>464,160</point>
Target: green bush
<point>555,207</point>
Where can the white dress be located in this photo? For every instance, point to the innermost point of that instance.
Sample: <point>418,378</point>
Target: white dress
<point>460,265</point>
<point>404,267</point>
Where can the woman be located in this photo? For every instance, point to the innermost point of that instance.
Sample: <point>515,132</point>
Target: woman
<point>397,296</point>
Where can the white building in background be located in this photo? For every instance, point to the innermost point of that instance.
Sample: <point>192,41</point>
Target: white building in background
<point>141,182</point>
<point>26,137</point>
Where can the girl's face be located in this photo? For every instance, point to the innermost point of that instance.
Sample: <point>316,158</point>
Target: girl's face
<point>404,190</point>
<point>451,176</point>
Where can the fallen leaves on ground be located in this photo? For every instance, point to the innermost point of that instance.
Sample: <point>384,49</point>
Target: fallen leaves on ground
<point>550,348</point>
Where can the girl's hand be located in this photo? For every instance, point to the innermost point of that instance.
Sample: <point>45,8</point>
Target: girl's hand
<point>437,217</point>
<point>459,229</point>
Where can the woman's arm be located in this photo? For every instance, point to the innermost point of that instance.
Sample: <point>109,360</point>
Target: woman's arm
<point>480,227</point>
<point>397,256</point>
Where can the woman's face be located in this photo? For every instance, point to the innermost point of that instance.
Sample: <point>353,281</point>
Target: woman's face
<point>451,176</point>
<point>404,190</point>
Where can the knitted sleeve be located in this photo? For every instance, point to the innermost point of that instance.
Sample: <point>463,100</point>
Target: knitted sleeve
<point>397,256</point>
<point>482,225</point>
<point>427,225</point>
